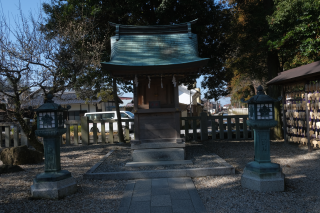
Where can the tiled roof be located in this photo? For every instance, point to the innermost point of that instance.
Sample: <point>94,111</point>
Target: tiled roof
<point>305,72</point>
<point>153,50</point>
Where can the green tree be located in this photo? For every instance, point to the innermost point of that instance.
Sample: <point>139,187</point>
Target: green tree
<point>251,56</point>
<point>296,28</point>
<point>30,59</point>
<point>211,28</point>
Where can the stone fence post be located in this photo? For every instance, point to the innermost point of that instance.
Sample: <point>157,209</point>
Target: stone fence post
<point>85,130</point>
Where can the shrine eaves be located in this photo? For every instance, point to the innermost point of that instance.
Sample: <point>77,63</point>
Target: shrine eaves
<point>162,49</point>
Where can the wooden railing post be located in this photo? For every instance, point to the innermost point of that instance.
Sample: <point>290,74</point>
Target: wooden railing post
<point>85,130</point>
<point>126,130</point>
<point>103,132</point>
<point>95,134</point>
<point>75,133</point>
<point>68,135</point>
<point>221,127</point>
<point>110,132</point>
<point>204,126</point>
<point>186,130</point>
<point>7,136</point>
<point>245,128</point>
<point>229,128</point>
<point>194,129</point>
<point>237,129</point>
<point>15,136</point>
<point>213,128</point>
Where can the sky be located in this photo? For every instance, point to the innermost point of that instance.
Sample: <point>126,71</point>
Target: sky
<point>11,10</point>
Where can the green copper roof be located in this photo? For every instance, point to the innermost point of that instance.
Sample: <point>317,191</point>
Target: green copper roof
<point>158,49</point>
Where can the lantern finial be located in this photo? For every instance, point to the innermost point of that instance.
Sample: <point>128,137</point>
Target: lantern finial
<point>260,90</point>
<point>49,98</point>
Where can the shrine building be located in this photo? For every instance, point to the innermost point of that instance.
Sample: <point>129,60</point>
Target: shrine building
<point>156,58</point>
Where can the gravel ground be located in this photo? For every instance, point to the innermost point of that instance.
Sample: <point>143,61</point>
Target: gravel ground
<point>92,195</point>
<point>302,174</point>
<point>195,152</point>
<point>219,194</point>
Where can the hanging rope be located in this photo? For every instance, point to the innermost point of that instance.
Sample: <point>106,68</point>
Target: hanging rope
<point>174,81</point>
<point>136,80</point>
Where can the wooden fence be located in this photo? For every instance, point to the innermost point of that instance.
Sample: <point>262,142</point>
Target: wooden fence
<point>230,127</point>
<point>86,138</point>
<point>12,138</point>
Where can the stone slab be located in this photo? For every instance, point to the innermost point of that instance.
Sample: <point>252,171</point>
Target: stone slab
<point>157,145</point>
<point>54,190</point>
<point>158,163</point>
<point>161,209</point>
<point>170,173</point>
<point>269,183</point>
<point>147,155</point>
<point>163,202</point>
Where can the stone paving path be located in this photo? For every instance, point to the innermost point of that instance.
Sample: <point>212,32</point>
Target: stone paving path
<point>161,195</point>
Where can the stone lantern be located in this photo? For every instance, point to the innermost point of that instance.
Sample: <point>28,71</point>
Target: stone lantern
<point>261,174</point>
<point>53,183</point>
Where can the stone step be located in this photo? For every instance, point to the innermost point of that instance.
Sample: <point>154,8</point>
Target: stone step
<point>143,155</point>
<point>157,145</point>
<point>158,163</point>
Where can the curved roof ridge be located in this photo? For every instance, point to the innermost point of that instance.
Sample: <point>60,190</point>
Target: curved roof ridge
<point>170,25</point>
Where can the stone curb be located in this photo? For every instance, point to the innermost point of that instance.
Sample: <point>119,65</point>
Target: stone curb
<point>127,175</point>
<point>99,163</point>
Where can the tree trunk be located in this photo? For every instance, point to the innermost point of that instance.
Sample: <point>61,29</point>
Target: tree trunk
<point>29,132</point>
<point>275,91</point>
<point>115,96</point>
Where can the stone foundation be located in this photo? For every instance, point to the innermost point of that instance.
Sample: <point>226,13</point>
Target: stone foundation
<point>54,189</point>
<point>262,182</point>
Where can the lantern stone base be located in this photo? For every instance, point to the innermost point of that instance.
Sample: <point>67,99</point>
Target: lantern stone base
<point>53,189</point>
<point>263,182</point>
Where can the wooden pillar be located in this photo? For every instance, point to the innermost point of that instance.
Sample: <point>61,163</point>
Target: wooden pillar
<point>237,128</point>
<point>177,113</point>
<point>284,117</point>
<point>95,133</point>
<point>229,128</point>
<point>186,130</point>
<point>213,128</point>
<point>221,127</point>
<point>245,128</point>
<point>307,122</point>
<point>204,126</point>
<point>194,129</point>
<point>126,132</point>
<point>136,117</point>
